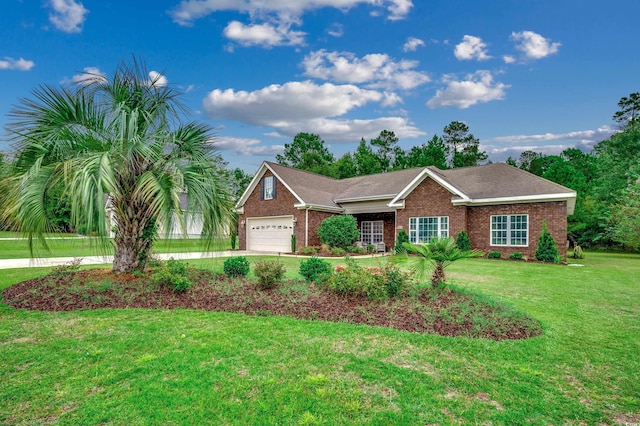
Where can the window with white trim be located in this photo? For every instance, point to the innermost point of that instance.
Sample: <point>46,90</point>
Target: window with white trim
<point>372,231</point>
<point>422,229</point>
<point>510,230</point>
<point>268,184</point>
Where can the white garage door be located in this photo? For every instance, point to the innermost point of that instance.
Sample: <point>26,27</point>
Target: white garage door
<point>270,234</point>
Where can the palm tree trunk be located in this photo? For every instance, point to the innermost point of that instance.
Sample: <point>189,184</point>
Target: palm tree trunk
<point>132,241</point>
<point>438,276</point>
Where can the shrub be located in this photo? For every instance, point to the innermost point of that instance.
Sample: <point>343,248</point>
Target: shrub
<point>339,231</point>
<point>237,266</point>
<point>309,250</point>
<point>494,255</point>
<point>234,239</point>
<point>173,274</point>
<point>371,248</point>
<point>315,269</point>
<point>578,253</point>
<point>547,251</point>
<point>269,273</point>
<point>373,283</point>
<point>356,250</point>
<point>293,243</point>
<point>337,251</point>
<point>402,238</point>
<point>516,255</point>
<point>462,241</point>
<point>66,268</point>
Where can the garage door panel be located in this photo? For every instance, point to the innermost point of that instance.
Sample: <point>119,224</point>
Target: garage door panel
<point>270,234</point>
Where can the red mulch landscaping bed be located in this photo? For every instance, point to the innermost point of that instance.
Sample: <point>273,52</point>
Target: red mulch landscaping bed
<point>444,312</point>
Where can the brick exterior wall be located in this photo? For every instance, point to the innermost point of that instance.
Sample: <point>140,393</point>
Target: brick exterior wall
<point>431,199</point>
<point>555,213</point>
<point>282,205</point>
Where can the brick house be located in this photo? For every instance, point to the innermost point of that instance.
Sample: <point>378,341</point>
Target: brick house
<point>501,207</point>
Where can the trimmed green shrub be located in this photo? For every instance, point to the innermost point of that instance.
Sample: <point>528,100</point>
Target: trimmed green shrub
<point>315,269</point>
<point>516,255</point>
<point>172,273</point>
<point>462,241</point>
<point>293,243</point>
<point>402,238</point>
<point>547,251</point>
<point>237,266</point>
<point>339,231</point>
<point>234,239</point>
<point>494,255</point>
<point>356,250</point>
<point>371,248</point>
<point>269,273</point>
<point>374,283</point>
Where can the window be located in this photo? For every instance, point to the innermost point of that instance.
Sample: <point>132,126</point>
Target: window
<point>510,230</point>
<point>371,232</point>
<point>422,229</point>
<point>268,188</point>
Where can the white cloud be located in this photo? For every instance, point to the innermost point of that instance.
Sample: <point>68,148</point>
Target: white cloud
<point>190,10</point>
<point>477,88</point>
<point>377,70</point>
<point>157,80</point>
<point>246,147</point>
<point>67,15</point>
<point>87,76</point>
<point>336,30</point>
<point>21,64</point>
<point>533,45</point>
<point>412,44</point>
<point>471,47</point>
<point>263,34</point>
<point>584,136</point>
<point>508,59</point>
<point>306,107</point>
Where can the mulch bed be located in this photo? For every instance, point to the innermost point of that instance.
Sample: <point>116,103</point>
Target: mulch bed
<point>430,311</point>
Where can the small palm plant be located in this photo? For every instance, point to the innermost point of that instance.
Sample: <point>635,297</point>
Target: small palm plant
<point>436,255</point>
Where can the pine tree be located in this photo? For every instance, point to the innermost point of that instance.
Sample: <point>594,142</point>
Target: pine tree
<point>547,251</point>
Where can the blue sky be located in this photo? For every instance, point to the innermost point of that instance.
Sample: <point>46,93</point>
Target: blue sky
<point>541,75</point>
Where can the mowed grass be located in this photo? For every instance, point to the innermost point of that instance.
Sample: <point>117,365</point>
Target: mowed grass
<point>79,247</point>
<point>191,367</point>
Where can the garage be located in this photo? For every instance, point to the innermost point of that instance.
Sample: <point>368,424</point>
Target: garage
<point>270,233</point>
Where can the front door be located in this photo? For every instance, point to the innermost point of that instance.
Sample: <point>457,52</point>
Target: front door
<point>372,231</point>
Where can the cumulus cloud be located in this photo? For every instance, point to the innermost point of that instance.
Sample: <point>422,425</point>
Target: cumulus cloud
<point>508,59</point>
<point>377,70</point>
<point>471,47</point>
<point>67,15</point>
<point>478,87</point>
<point>533,45</point>
<point>412,44</point>
<point>190,10</point>
<point>305,106</point>
<point>157,80</point>
<point>265,34</point>
<point>246,146</point>
<point>21,64</point>
<point>87,76</point>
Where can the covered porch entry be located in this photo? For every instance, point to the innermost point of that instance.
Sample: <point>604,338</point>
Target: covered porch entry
<point>377,229</point>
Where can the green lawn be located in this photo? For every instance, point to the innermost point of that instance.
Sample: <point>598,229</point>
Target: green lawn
<point>78,247</point>
<point>189,367</point>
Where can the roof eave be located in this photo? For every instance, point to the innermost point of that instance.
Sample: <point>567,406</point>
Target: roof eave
<point>366,198</point>
<point>569,197</point>
<point>332,209</point>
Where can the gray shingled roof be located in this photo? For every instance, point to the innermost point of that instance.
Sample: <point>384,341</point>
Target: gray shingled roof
<point>498,180</point>
<point>480,182</point>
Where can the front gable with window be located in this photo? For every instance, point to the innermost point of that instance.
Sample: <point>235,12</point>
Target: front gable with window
<point>268,188</point>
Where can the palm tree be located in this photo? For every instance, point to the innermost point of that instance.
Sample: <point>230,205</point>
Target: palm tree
<point>123,138</point>
<point>437,254</point>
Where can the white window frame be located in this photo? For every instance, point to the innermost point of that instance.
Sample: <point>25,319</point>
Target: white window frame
<point>375,232</point>
<point>510,231</point>
<point>442,228</point>
<point>269,183</point>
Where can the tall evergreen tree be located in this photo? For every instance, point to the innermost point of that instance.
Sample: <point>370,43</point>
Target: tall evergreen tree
<point>463,146</point>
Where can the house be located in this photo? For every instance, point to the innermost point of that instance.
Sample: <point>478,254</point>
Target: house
<point>193,221</point>
<point>501,207</point>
